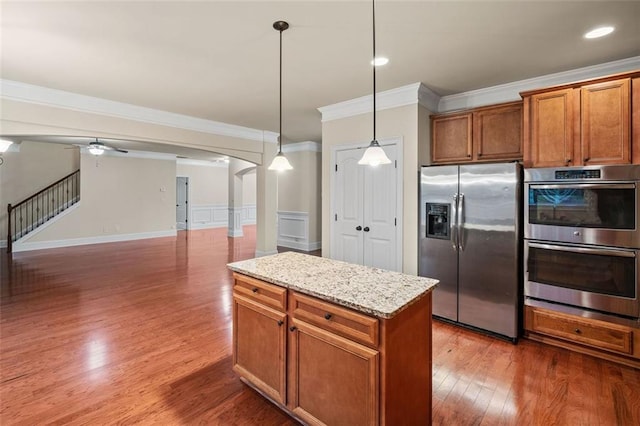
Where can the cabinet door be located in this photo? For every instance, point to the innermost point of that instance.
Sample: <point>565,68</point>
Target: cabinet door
<point>332,380</point>
<point>259,345</point>
<point>451,138</point>
<point>552,118</point>
<point>605,122</point>
<point>497,133</point>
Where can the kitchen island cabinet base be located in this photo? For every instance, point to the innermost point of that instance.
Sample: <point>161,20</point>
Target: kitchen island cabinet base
<point>396,363</point>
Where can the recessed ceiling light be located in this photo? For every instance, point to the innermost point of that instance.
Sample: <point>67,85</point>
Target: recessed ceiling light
<point>379,61</point>
<point>599,32</point>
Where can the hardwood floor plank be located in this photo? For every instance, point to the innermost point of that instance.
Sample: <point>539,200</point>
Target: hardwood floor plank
<point>143,336</point>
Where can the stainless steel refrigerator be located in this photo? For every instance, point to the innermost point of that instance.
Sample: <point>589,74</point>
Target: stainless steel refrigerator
<point>470,240</point>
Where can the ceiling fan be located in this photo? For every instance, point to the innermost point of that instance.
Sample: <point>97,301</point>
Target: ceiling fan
<point>98,148</point>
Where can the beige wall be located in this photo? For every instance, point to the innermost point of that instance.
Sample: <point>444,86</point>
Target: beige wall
<point>299,190</point>
<point>30,167</point>
<point>407,122</point>
<point>207,184</point>
<point>119,195</point>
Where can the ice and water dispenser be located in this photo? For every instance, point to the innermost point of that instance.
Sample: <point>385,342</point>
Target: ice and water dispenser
<point>438,220</point>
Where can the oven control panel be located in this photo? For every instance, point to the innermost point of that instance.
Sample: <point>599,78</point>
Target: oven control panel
<point>577,174</point>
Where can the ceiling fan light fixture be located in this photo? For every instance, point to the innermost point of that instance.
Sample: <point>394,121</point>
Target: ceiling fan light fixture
<point>4,145</point>
<point>96,150</point>
<point>280,162</point>
<point>374,155</point>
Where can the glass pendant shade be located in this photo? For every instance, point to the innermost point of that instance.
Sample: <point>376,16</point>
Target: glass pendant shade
<point>95,150</point>
<point>374,155</point>
<point>280,163</point>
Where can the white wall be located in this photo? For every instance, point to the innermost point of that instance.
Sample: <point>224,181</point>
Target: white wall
<point>121,198</point>
<point>30,167</point>
<point>409,122</point>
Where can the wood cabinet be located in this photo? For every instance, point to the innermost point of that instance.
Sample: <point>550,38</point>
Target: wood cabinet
<point>596,337</point>
<point>584,123</point>
<point>483,134</point>
<point>327,364</point>
<point>259,338</point>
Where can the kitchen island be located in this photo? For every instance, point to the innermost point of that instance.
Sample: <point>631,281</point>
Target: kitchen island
<point>332,342</point>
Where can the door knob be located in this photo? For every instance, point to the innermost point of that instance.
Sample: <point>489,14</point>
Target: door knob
<point>366,229</point>
<point>358,228</point>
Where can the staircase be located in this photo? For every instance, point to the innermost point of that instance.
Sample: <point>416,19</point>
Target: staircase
<point>41,207</point>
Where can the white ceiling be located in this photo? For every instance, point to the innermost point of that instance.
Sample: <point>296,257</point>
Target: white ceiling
<point>218,60</point>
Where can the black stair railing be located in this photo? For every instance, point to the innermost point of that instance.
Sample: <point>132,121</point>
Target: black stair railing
<point>41,207</point>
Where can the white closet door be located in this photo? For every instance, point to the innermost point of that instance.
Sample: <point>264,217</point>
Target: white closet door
<point>348,241</point>
<point>380,192</point>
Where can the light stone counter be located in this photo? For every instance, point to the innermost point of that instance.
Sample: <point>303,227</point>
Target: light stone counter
<point>369,290</point>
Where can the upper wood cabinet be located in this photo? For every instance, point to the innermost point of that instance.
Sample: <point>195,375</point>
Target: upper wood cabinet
<point>483,134</point>
<point>585,123</point>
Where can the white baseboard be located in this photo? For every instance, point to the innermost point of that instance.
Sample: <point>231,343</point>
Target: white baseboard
<point>39,245</point>
<point>301,246</point>
<point>235,233</point>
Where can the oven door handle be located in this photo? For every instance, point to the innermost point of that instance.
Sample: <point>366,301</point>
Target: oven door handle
<point>584,250</point>
<point>585,186</point>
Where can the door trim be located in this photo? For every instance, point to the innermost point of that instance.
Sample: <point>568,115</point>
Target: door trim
<point>399,143</point>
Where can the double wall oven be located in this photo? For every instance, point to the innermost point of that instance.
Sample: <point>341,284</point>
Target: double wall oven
<point>582,242</point>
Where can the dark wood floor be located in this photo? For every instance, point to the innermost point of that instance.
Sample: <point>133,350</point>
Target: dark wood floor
<point>140,332</point>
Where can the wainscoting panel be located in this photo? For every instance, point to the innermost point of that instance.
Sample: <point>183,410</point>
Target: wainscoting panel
<point>217,216</point>
<point>293,231</point>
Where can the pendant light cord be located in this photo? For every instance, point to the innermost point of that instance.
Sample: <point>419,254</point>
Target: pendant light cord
<point>374,69</point>
<point>280,134</point>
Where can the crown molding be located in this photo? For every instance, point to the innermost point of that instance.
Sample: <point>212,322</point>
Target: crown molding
<point>406,95</point>
<point>23,92</point>
<point>421,94</point>
<point>308,146</point>
<point>511,91</point>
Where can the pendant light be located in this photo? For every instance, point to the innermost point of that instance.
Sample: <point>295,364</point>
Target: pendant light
<point>374,154</point>
<point>280,162</point>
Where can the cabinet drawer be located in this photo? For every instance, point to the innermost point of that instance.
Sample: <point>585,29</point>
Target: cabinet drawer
<point>341,321</point>
<point>260,291</point>
<point>595,333</point>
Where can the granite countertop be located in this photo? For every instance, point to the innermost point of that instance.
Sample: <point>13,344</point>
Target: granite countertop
<point>372,291</point>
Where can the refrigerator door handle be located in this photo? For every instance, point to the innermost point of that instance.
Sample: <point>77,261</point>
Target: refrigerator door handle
<point>452,221</point>
<point>460,211</point>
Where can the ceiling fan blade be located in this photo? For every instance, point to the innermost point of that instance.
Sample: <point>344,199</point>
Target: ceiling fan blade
<point>124,151</point>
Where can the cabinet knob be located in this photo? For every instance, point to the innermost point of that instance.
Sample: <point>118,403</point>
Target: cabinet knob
<point>568,160</point>
<point>358,228</point>
<point>366,229</point>
<point>292,328</point>
<point>587,159</point>
<point>577,330</point>
<point>280,322</point>
<point>255,289</point>
<point>327,316</point>
<point>469,155</point>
